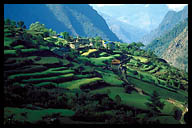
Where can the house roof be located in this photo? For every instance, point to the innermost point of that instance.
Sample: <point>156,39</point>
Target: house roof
<point>107,42</point>
<point>115,61</point>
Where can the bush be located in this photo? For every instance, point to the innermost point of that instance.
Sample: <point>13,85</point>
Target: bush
<point>129,89</point>
<point>37,58</point>
<point>177,114</point>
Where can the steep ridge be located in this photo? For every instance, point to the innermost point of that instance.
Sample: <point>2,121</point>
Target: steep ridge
<point>77,19</point>
<point>177,52</point>
<point>173,46</point>
<point>170,20</point>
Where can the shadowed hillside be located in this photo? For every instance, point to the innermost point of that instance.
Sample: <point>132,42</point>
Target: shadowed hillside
<point>77,19</point>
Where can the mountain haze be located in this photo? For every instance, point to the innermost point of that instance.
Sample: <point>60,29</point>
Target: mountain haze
<point>126,32</point>
<point>169,21</point>
<point>143,16</point>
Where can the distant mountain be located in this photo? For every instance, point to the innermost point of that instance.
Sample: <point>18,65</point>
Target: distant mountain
<point>170,20</point>
<point>77,19</point>
<point>143,16</point>
<point>124,31</point>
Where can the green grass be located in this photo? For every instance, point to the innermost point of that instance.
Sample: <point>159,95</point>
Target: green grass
<point>148,68</point>
<point>142,59</point>
<point>8,41</point>
<point>35,115</point>
<point>154,70</point>
<point>46,73</point>
<point>57,79</point>
<point>111,78</point>
<point>149,88</point>
<point>103,54</point>
<point>148,77</point>
<point>10,52</point>
<point>47,60</point>
<point>30,50</point>
<point>134,99</point>
<point>100,60</point>
<point>43,47</point>
<point>19,47</point>
<point>76,84</point>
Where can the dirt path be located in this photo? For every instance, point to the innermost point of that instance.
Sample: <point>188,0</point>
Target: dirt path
<point>179,105</point>
<point>140,91</point>
<point>182,117</point>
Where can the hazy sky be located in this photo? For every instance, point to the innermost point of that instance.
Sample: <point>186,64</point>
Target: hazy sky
<point>144,16</point>
<point>175,7</point>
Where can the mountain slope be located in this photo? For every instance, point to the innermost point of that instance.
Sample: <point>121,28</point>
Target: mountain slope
<point>77,19</point>
<point>173,45</point>
<point>177,52</point>
<point>170,20</point>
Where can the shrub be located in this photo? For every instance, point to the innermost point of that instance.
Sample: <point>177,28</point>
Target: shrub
<point>177,114</point>
<point>37,58</point>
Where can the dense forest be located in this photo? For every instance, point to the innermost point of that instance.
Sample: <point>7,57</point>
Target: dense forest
<point>57,78</point>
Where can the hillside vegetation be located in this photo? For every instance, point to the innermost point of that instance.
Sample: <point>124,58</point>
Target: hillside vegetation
<point>83,80</point>
<point>175,44</point>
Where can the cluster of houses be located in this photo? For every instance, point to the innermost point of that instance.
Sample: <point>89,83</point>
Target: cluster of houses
<point>78,42</point>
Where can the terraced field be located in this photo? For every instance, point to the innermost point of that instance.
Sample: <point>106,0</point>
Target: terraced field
<point>48,80</point>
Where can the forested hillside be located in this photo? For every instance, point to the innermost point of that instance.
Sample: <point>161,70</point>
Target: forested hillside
<point>54,78</point>
<point>76,19</point>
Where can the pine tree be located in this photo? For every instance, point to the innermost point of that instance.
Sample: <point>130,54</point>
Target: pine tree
<point>155,104</point>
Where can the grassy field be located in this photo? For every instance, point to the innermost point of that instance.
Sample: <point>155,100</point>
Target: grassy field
<point>142,59</point>
<point>8,41</point>
<point>134,99</point>
<point>149,88</point>
<point>47,73</point>
<point>57,79</point>
<point>76,84</point>
<point>100,60</point>
<point>111,78</point>
<point>47,60</point>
